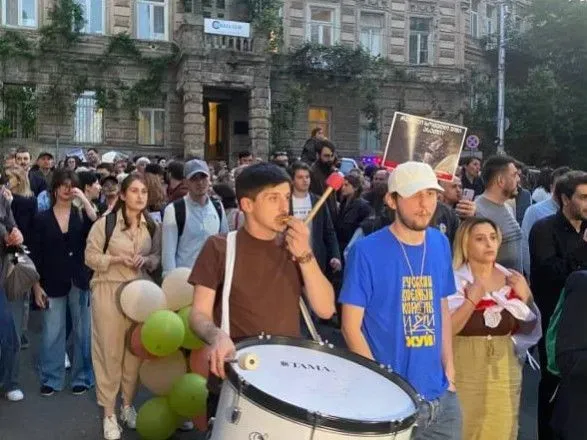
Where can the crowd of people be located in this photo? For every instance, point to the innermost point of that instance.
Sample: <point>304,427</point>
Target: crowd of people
<point>450,283</point>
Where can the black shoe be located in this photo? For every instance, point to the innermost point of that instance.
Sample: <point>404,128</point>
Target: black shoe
<point>47,391</point>
<point>78,390</point>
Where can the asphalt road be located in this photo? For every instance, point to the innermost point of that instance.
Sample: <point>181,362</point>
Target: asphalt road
<point>64,416</point>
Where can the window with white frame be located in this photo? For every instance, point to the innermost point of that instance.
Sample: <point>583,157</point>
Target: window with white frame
<point>93,11</point>
<point>19,13</point>
<point>475,18</point>
<point>371,29</point>
<point>88,124</point>
<point>152,19</point>
<point>419,47</point>
<point>491,20</point>
<point>369,138</point>
<point>151,126</point>
<point>321,27</point>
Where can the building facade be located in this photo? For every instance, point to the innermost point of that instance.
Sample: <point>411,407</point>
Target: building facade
<point>218,95</point>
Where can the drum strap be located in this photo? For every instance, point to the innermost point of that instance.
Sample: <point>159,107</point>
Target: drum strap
<point>226,289</point>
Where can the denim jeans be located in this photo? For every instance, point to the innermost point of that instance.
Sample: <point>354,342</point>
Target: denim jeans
<point>9,371</point>
<point>9,343</point>
<point>440,419</point>
<point>53,341</point>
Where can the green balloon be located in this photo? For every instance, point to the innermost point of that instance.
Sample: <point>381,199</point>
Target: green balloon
<point>188,396</point>
<point>190,340</point>
<point>156,420</point>
<point>162,333</point>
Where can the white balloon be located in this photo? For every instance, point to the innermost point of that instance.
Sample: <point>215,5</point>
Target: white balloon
<point>159,375</point>
<point>178,292</point>
<point>140,298</point>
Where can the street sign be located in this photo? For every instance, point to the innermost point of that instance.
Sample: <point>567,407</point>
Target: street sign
<point>472,142</point>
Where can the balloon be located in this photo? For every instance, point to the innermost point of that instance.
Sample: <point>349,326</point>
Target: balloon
<point>188,395</point>
<point>140,298</point>
<point>162,333</point>
<point>156,420</point>
<point>178,291</point>
<point>201,423</point>
<point>159,375</point>
<point>190,340</point>
<point>199,361</point>
<point>135,344</point>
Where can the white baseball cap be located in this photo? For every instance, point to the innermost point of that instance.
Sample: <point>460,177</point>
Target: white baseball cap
<point>410,177</point>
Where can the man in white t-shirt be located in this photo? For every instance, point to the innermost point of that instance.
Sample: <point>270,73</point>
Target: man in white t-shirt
<point>322,233</point>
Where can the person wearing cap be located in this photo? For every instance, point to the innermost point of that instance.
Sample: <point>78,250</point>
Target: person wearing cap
<point>45,163</point>
<point>190,220</point>
<point>394,299</point>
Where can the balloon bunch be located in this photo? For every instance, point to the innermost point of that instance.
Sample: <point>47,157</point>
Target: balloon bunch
<point>162,338</point>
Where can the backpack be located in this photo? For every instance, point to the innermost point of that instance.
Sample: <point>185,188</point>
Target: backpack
<point>552,334</point>
<point>109,229</point>
<point>180,214</point>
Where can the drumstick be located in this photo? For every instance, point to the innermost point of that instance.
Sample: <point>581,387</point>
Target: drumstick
<point>246,361</point>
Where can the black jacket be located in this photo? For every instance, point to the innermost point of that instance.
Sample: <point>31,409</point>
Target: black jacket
<point>570,409</point>
<point>24,210</point>
<point>58,257</point>
<point>38,182</point>
<point>556,250</point>
<point>350,216</point>
<point>318,186</point>
<point>324,242</point>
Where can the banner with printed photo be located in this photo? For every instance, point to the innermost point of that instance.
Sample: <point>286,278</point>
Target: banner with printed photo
<point>437,143</point>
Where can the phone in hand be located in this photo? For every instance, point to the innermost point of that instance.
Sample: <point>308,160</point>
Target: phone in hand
<point>468,194</point>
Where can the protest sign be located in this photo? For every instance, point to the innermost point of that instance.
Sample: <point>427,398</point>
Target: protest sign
<point>437,143</point>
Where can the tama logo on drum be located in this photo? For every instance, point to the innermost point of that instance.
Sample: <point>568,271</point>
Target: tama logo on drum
<point>303,366</point>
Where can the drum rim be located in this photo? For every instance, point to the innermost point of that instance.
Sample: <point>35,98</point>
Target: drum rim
<point>302,415</point>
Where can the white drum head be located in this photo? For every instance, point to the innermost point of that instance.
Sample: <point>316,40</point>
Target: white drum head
<point>324,381</point>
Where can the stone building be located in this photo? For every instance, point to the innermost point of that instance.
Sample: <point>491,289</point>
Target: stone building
<point>217,98</point>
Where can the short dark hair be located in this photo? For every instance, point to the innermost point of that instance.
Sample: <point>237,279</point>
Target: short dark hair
<point>243,154</point>
<point>545,178</point>
<point>60,177</point>
<point>86,178</point>
<point>22,150</point>
<point>299,165</point>
<point>175,169</point>
<point>567,185</point>
<point>494,166</point>
<point>316,130</point>
<point>469,159</point>
<point>106,166</point>
<point>558,173</point>
<point>226,194</point>
<point>93,149</point>
<point>255,178</point>
<point>324,143</point>
<point>154,168</point>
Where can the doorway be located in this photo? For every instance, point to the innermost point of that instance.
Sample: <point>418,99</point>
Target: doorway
<point>217,134</point>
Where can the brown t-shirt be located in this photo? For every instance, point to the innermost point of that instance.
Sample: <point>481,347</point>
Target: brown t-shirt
<point>475,326</point>
<point>266,285</point>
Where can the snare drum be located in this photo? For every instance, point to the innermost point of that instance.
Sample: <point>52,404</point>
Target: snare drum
<point>303,390</point>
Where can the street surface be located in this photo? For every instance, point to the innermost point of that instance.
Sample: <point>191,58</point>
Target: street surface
<point>64,416</point>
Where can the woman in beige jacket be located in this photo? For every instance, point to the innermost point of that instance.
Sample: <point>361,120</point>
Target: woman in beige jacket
<point>133,250</point>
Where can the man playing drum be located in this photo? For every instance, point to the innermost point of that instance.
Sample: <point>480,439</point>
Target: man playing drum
<point>268,275</point>
<point>394,298</point>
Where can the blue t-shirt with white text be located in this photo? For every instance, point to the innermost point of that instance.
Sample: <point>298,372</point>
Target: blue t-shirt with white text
<point>403,321</point>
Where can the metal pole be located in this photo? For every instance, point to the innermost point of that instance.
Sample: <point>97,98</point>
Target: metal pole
<point>501,80</point>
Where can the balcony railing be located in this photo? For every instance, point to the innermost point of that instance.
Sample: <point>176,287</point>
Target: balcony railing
<point>237,44</point>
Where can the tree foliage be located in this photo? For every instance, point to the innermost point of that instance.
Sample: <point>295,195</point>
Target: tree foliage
<point>546,87</point>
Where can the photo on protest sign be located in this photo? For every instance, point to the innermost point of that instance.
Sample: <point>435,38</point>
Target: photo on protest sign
<point>437,143</point>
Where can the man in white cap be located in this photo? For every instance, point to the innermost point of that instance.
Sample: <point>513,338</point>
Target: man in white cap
<point>394,298</point>
<point>190,220</point>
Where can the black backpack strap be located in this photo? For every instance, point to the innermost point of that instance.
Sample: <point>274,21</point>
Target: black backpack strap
<point>218,208</point>
<point>180,214</point>
<point>109,229</point>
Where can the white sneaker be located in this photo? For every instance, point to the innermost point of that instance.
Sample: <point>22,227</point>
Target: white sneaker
<point>67,363</point>
<point>186,426</point>
<point>128,415</point>
<point>111,428</point>
<point>15,395</point>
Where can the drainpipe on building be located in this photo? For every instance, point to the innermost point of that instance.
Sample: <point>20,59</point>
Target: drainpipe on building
<point>501,80</point>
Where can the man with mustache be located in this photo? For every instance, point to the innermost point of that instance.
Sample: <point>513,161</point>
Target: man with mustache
<point>322,168</point>
<point>394,299</point>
